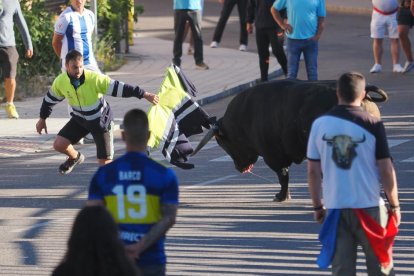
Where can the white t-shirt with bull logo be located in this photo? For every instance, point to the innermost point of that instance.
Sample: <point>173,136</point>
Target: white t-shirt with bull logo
<point>348,141</point>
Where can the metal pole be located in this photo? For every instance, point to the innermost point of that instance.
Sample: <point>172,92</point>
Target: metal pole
<point>94,9</point>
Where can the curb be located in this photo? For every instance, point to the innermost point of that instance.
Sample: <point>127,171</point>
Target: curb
<point>348,10</point>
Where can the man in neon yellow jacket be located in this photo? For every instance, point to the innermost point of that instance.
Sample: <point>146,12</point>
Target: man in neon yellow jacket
<point>84,91</point>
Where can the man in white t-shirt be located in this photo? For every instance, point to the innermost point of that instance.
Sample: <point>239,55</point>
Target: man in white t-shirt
<point>73,30</point>
<point>348,163</point>
<point>384,19</point>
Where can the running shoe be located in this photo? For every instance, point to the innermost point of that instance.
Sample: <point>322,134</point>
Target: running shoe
<point>11,111</point>
<point>69,164</point>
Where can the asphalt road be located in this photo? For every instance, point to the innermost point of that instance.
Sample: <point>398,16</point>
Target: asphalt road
<point>228,224</point>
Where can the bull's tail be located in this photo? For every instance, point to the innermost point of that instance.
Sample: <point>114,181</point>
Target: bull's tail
<point>373,89</point>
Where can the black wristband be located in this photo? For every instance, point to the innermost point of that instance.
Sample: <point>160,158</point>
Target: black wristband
<point>320,207</point>
<point>394,208</point>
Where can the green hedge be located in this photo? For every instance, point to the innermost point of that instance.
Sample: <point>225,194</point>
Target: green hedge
<point>33,74</point>
<point>36,73</point>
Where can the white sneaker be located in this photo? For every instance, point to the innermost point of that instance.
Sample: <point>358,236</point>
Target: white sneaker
<point>81,142</point>
<point>377,68</point>
<point>214,44</point>
<point>408,66</point>
<point>397,68</point>
<point>243,47</point>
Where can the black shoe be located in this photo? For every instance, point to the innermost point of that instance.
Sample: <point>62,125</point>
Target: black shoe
<point>202,66</point>
<point>69,164</point>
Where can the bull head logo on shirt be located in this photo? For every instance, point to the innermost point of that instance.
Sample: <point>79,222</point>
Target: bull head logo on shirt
<point>343,151</point>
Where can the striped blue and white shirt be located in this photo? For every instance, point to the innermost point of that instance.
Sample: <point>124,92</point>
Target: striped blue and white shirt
<point>77,30</point>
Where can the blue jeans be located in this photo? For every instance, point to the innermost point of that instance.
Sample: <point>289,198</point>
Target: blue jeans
<point>309,48</point>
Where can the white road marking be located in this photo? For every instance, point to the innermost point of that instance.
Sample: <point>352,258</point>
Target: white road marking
<point>37,225</point>
<point>411,159</point>
<point>225,158</point>
<point>396,142</point>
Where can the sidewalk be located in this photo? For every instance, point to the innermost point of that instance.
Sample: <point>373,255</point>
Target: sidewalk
<point>231,71</point>
<point>146,65</point>
<point>349,6</point>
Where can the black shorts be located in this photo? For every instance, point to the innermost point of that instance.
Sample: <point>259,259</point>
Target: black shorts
<point>8,61</point>
<point>405,17</point>
<point>104,140</point>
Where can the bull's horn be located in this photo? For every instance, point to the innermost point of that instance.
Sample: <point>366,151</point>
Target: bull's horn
<point>205,139</point>
<point>359,140</point>
<point>324,138</point>
<point>382,94</point>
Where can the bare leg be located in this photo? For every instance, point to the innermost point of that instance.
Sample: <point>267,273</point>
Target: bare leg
<point>64,146</point>
<point>405,41</point>
<point>377,49</point>
<point>10,88</point>
<point>395,51</point>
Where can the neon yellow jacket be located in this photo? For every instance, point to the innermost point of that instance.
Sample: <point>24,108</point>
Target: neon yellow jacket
<point>86,96</point>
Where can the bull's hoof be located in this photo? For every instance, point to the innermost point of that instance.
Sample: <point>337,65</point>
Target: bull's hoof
<point>279,197</point>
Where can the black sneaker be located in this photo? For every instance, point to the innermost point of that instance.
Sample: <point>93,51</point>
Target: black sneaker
<point>69,164</point>
<point>202,66</point>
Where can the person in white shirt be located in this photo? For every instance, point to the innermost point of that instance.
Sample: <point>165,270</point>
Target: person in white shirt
<point>73,30</point>
<point>384,19</point>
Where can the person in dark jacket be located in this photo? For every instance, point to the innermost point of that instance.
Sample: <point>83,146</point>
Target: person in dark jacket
<point>267,32</point>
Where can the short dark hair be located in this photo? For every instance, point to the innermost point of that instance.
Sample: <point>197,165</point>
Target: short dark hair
<point>73,55</point>
<point>136,127</point>
<point>350,87</point>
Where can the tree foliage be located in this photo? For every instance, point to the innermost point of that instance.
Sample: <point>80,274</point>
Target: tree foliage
<point>40,23</point>
<point>44,65</point>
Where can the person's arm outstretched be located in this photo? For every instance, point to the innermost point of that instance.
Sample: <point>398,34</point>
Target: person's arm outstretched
<point>124,90</point>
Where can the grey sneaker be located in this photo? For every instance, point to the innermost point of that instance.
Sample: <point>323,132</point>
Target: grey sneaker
<point>408,66</point>
<point>202,66</point>
<point>69,164</point>
<point>214,44</point>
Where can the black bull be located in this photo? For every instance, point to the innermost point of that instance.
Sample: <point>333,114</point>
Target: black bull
<point>273,120</point>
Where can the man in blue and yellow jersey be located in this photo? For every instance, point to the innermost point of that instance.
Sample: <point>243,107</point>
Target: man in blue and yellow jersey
<point>141,194</point>
<point>84,91</point>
